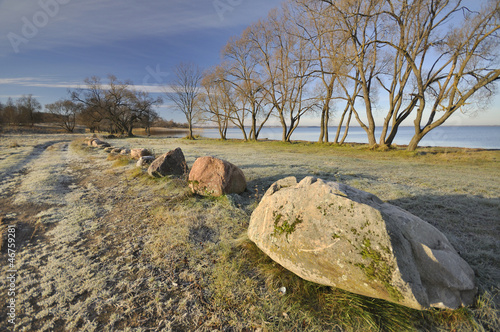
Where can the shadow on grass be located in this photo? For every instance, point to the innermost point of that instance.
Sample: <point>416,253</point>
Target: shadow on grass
<point>263,183</point>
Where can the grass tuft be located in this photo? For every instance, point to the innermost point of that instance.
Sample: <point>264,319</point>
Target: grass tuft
<point>13,145</point>
<point>119,160</point>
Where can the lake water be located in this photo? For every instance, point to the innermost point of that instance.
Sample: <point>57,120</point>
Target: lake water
<point>486,137</point>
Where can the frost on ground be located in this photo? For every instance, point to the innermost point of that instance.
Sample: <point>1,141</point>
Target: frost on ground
<point>103,248</point>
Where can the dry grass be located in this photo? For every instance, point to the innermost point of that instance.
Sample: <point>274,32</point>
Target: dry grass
<point>122,250</point>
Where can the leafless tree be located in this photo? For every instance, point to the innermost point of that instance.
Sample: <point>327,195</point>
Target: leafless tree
<point>214,101</point>
<point>9,112</point>
<point>184,92</point>
<point>423,65</point>
<point>143,104</point>
<point>116,103</point>
<point>286,60</point>
<point>27,107</point>
<point>65,113</point>
<point>243,74</point>
<point>463,73</point>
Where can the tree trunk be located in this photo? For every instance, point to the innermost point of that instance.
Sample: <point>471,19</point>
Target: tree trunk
<point>322,127</point>
<point>346,128</point>
<point>412,146</point>
<point>341,122</point>
<point>327,120</point>
<point>285,129</point>
<point>129,131</point>
<point>190,135</point>
<point>253,130</point>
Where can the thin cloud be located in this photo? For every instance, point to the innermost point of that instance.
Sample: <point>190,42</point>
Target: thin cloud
<point>35,82</point>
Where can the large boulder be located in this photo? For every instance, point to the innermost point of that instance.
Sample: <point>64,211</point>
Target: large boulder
<point>138,153</point>
<point>336,235</point>
<point>171,163</point>
<point>211,176</point>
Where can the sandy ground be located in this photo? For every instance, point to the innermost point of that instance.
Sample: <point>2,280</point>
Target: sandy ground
<point>83,227</point>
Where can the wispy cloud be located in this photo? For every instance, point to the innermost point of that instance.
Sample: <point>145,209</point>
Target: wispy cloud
<point>36,82</point>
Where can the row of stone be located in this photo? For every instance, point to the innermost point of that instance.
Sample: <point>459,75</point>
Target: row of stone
<point>332,234</point>
<point>209,176</point>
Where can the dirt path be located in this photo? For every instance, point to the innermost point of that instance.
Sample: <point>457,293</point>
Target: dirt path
<point>69,276</point>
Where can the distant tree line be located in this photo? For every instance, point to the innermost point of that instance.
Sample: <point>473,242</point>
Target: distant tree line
<point>321,56</point>
<point>25,111</point>
<point>115,107</point>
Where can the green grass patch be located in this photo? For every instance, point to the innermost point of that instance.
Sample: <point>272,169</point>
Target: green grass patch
<point>119,160</point>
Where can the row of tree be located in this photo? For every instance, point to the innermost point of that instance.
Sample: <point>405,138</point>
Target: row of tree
<point>115,107</point>
<point>23,111</point>
<point>427,59</point>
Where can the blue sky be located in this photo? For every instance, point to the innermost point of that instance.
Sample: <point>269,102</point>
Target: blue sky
<point>48,46</point>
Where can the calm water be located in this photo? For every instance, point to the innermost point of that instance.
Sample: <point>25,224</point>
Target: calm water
<point>486,137</point>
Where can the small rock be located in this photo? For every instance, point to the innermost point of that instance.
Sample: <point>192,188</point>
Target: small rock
<point>146,160</point>
<point>171,163</point>
<point>125,151</point>
<point>138,153</point>
<point>100,144</point>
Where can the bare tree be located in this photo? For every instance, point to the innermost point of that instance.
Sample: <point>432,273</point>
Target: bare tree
<point>332,62</point>
<point>184,92</point>
<point>215,101</point>
<point>243,73</point>
<point>142,103</point>
<point>423,65</point>
<point>65,112</point>
<point>466,70</point>
<point>286,60</point>
<point>27,107</point>
<point>9,112</point>
<point>115,103</point>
